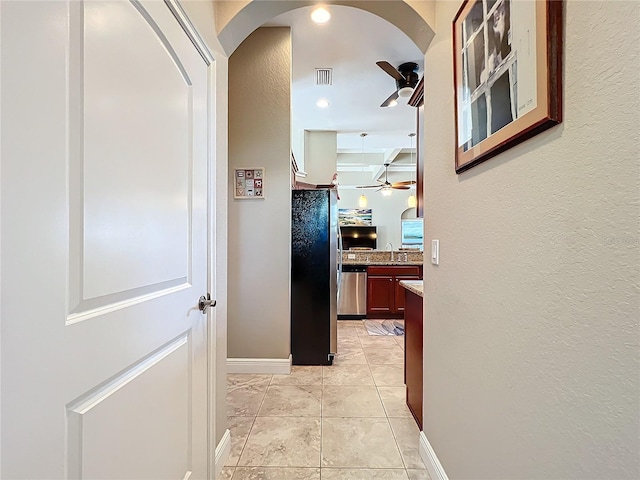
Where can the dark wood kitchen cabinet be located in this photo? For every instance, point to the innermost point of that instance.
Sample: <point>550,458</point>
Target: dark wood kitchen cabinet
<point>413,353</point>
<point>385,296</point>
<point>380,294</point>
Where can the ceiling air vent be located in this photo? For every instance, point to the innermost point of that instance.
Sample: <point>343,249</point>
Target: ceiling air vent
<point>324,76</point>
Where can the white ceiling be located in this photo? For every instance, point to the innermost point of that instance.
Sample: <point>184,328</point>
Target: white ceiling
<point>351,44</point>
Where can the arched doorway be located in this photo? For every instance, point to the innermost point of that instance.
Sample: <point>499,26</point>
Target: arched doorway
<point>258,229</point>
<point>240,25</point>
<point>236,20</point>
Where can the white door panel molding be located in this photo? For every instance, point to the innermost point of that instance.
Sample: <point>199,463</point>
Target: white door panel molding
<point>105,231</point>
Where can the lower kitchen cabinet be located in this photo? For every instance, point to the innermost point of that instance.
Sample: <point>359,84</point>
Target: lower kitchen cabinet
<point>385,296</point>
<point>380,295</point>
<point>413,354</point>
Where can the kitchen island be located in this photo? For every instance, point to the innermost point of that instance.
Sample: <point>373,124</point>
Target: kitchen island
<point>413,346</point>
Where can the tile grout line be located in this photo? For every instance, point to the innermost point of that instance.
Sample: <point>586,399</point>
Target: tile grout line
<point>395,438</point>
<point>389,421</point>
<point>264,396</point>
<point>252,425</point>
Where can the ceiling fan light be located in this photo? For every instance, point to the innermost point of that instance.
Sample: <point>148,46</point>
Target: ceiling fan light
<point>405,92</point>
<point>393,103</point>
<point>362,201</point>
<point>386,192</point>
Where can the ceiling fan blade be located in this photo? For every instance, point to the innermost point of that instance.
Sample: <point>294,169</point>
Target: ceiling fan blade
<point>367,186</point>
<point>401,187</point>
<point>390,69</point>
<point>392,97</point>
<point>408,182</point>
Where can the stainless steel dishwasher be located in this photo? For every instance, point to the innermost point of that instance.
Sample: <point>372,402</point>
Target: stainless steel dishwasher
<point>352,297</point>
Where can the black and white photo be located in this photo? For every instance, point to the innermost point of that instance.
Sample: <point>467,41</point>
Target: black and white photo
<point>501,83</point>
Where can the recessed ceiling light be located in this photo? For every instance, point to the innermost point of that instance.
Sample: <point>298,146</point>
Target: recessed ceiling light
<point>320,15</point>
<point>322,103</point>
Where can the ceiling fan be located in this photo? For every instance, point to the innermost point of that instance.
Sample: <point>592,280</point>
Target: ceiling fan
<point>387,186</point>
<point>406,77</point>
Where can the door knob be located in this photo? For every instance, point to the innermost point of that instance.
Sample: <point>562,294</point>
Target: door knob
<point>205,302</point>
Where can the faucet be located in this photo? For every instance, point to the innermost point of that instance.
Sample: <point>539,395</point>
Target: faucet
<point>389,246</point>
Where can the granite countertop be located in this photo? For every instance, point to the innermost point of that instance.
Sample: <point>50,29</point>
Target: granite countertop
<point>365,263</point>
<point>381,257</point>
<point>414,286</point>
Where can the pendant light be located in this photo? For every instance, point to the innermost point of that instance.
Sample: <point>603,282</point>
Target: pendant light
<point>412,201</point>
<point>362,201</point>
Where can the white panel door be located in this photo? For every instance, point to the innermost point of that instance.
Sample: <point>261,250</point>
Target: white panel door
<point>104,207</point>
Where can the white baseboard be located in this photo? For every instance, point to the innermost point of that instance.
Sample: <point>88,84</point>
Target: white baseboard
<point>223,450</point>
<point>434,467</point>
<point>280,366</point>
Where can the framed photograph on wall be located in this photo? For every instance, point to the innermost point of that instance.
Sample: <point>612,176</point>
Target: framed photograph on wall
<point>356,217</point>
<point>507,75</point>
<point>249,183</point>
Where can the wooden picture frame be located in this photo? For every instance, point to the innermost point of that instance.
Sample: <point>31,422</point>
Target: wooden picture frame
<point>248,183</point>
<point>507,75</point>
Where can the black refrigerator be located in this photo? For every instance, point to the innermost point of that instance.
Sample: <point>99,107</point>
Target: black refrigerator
<point>315,262</point>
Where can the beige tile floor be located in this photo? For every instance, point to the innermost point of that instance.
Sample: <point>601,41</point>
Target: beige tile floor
<point>348,421</point>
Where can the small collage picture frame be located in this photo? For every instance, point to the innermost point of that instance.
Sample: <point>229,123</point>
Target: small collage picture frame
<point>249,183</point>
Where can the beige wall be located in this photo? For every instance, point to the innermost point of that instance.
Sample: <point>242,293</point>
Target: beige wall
<point>259,230</point>
<point>531,319</point>
<point>320,153</point>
